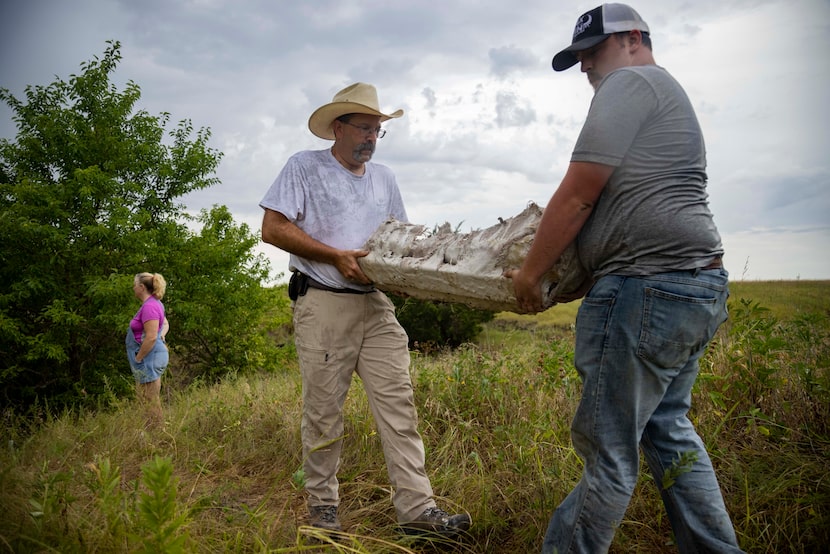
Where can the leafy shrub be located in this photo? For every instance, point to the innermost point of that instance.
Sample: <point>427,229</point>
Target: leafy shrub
<point>436,324</point>
<point>763,354</point>
<point>88,198</point>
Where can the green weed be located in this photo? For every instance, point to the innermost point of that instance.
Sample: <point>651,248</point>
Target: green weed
<point>683,464</point>
<point>160,522</point>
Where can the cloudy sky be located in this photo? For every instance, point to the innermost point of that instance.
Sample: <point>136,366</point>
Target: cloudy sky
<point>489,126</point>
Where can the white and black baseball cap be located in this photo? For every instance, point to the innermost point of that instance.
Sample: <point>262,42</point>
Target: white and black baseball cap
<point>597,25</point>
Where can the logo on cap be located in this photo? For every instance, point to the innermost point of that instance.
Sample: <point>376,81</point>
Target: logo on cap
<point>583,25</point>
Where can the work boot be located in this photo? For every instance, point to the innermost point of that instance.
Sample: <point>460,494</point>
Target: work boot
<point>324,517</point>
<point>435,521</point>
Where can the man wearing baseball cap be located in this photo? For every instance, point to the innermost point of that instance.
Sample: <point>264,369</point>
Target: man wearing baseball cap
<point>634,199</point>
<point>321,209</point>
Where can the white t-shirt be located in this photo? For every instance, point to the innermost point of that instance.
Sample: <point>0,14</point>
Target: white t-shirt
<point>334,206</point>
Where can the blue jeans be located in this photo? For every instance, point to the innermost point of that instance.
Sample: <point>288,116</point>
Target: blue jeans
<point>638,341</point>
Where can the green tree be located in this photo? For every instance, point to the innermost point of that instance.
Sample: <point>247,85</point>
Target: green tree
<point>436,324</point>
<point>88,198</point>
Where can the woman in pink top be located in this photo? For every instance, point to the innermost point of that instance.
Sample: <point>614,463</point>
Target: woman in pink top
<point>146,350</point>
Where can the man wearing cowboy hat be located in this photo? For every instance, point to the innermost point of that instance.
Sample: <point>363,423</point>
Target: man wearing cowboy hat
<point>321,209</point>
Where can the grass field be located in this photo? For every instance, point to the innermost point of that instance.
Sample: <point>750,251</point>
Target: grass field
<point>784,299</point>
<point>223,475</point>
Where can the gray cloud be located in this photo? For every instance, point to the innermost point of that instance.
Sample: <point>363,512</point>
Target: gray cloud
<point>488,125</point>
<point>511,111</point>
<point>430,97</point>
<point>508,59</point>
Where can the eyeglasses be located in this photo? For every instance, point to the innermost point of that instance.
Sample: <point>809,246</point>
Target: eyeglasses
<point>366,130</point>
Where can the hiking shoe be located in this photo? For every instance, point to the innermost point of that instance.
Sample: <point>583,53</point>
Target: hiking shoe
<point>324,517</point>
<point>435,521</point>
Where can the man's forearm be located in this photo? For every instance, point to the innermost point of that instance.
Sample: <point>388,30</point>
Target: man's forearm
<point>280,232</point>
<point>560,224</point>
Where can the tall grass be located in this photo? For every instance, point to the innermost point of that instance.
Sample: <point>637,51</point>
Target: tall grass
<point>223,474</point>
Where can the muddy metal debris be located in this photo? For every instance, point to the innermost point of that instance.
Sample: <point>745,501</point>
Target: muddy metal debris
<point>466,268</point>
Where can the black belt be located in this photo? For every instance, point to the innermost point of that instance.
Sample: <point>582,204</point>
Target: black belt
<point>320,286</point>
<point>299,284</point>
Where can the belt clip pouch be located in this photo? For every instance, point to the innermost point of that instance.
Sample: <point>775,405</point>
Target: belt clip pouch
<point>297,285</point>
<point>303,282</point>
<point>294,286</point>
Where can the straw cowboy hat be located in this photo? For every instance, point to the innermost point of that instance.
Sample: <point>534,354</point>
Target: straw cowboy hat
<point>356,98</point>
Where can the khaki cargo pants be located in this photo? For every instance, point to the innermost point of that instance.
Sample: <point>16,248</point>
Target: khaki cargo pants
<point>337,334</point>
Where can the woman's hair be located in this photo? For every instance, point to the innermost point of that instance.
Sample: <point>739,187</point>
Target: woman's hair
<point>154,282</point>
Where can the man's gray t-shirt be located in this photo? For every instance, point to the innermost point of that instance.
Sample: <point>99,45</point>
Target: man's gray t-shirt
<point>333,206</point>
<point>653,214</point>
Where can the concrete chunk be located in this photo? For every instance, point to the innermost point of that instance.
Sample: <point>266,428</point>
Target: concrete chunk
<point>466,268</point>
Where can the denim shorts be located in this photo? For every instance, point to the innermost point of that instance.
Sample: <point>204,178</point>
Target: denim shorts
<point>153,365</point>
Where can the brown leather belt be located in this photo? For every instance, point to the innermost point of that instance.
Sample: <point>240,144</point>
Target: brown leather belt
<point>717,263</point>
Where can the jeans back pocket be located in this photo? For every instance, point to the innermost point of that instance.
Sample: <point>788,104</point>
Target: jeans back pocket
<point>676,327</point>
